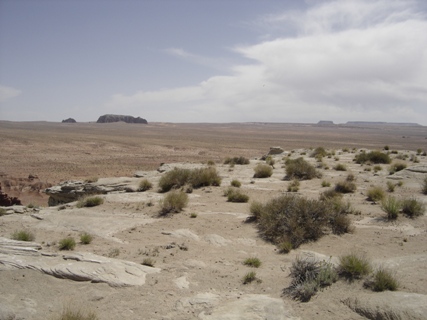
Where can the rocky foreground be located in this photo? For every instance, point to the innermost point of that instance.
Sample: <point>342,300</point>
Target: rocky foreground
<point>189,265</point>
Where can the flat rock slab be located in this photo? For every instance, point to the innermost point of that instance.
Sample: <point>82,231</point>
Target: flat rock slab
<point>389,305</point>
<point>78,266</point>
<point>251,307</point>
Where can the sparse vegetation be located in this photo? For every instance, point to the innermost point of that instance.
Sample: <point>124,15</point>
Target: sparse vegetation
<point>383,279</point>
<point>67,244</point>
<point>204,177</point>
<point>193,215</point>
<point>90,202</point>
<point>76,314</point>
<point>113,252</point>
<point>252,262</point>
<point>373,157</point>
<point>236,160</point>
<point>397,166</point>
<point>293,186</point>
<point>196,178</point>
<point>377,168</point>
<point>390,186</point>
<point>256,210</point>
<point>148,262</point>
<point>325,184</point>
<point>86,238</point>
<point>23,235</point>
<point>174,202</point>
<point>319,152</point>
<point>263,171</point>
<point>300,169</point>
<point>308,277</point>
<point>413,208</point>
<point>345,187</point>
<point>235,195</point>
<point>91,180</point>
<point>391,206</point>
<point>270,161</point>
<point>424,186</point>
<point>249,277</point>
<point>354,266</point>
<point>284,247</point>
<point>340,167</point>
<point>376,194</point>
<point>235,183</point>
<point>144,185</point>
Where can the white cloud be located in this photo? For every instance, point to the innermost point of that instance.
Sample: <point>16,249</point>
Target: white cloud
<point>7,93</point>
<point>348,60</point>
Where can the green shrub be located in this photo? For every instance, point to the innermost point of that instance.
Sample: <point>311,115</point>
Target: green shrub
<point>249,277</point>
<point>345,187</point>
<point>354,266</point>
<point>263,171</point>
<point>308,277</point>
<point>397,166</point>
<point>193,215</point>
<point>319,152</point>
<point>173,202</point>
<point>340,223</point>
<point>76,314</point>
<point>173,179</point>
<point>23,235</point>
<point>235,195</point>
<point>293,186</point>
<point>391,206</point>
<point>67,244</point>
<point>300,169</point>
<point>86,238</point>
<point>196,178</point>
<point>383,280</point>
<point>413,208</point>
<point>375,194</point>
<point>373,157</point>
<point>90,202</point>
<point>235,183</point>
<point>424,186</point>
<point>326,184</point>
<point>252,262</point>
<point>204,177</point>
<point>144,185</point>
<point>294,219</point>
<point>236,160</point>
<point>340,167</point>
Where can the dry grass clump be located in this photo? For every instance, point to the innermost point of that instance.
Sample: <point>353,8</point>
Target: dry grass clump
<point>413,208</point>
<point>76,314</point>
<point>235,195</point>
<point>340,167</point>
<point>300,169</point>
<point>196,178</point>
<point>235,183</point>
<point>236,160</point>
<point>293,186</point>
<point>376,194</point>
<point>382,280</point>
<point>173,202</point>
<point>263,171</point>
<point>345,187</point>
<point>90,202</point>
<point>252,262</point>
<point>249,277</point>
<point>354,266</point>
<point>372,157</point>
<point>308,277</point>
<point>424,186</point>
<point>144,185</point>
<point>319,153</point>
<point>23,235</point>
<point>67,244</point>
<point>294,219</point>
<point>391,206</point>
<point>397,166</point>
<point>86,238</point>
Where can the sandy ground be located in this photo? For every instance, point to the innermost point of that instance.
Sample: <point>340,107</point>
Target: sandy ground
<point>200,258</point>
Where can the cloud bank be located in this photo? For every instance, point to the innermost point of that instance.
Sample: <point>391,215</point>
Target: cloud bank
<point>7,93</point>
<point>345,60</point>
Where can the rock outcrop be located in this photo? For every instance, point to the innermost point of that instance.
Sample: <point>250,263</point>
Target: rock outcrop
<point>69,120</point>
<point>106,118</point>
<point>70,191</point>
<point>6,201</point>
<point>77,266</point>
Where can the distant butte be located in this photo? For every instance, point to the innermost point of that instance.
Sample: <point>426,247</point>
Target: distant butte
<point>107,118</point>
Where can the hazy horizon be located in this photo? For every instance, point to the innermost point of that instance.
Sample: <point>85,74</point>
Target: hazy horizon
<point>214,62</point>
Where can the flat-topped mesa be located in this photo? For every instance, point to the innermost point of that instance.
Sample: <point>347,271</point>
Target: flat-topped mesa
<point>107,118</point>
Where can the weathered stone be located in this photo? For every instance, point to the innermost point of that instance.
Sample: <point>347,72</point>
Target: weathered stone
<point>69,120</point>
<point>275,150</point>
<point>389,305</point>
<point>107,118</point>
<point>6,201</point>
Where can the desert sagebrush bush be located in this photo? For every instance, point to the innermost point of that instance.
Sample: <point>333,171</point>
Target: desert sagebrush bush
<point>397,166</point>
<point>173,202</point>
<point>252,262</point>
<point>263,171</point>
<point>235,183</point>
<point>23,235</point>
<point>373,157</point>
<point>391,206</point>
<point>308,277</point>
<point>255,209</point>
<point>345,187</point>
<point>300,169</point>
<point>236,160</point>
<point>330,193</point>
<point>90,202</point>
<point>326,184</point>
<point>204,177</point>
<point>375,194</point>
<point>340,167</point>
<point>173,179</point>
<point>67,244</point>
<point>413,207</point>
<point>383,279</point>
<point>293,186</point>
<point>354,266</point>
<point>319,152</point>
<point>86,238</point>
<point>196,178</point>
<point>235,195</point>
<point>144,185</point>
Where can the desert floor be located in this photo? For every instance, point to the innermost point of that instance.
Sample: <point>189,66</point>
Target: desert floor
<point>200,259</point>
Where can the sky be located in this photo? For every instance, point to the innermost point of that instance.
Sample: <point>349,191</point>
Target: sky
<point>214,61</point>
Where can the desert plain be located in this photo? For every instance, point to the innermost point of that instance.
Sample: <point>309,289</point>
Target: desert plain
<point>198,254</point>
